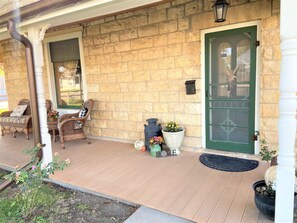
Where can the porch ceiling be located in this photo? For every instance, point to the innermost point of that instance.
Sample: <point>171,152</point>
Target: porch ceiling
<point>178,185</point>
<point>70,13</point>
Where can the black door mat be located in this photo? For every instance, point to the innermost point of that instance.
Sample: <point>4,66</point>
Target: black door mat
<point>226,163</point>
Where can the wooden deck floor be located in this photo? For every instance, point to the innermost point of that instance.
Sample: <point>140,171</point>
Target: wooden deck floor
<point>179,185</point>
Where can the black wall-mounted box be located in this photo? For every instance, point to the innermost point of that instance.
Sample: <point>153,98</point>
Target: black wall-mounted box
<point>190,87</point>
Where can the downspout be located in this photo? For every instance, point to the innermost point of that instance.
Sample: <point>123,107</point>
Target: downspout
<point>31,77</point>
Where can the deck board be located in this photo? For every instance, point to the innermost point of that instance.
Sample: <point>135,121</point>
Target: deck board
<point>178,185</point>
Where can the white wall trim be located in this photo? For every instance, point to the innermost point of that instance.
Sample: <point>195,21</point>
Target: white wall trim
<point>258,61</point>
<point>50,71</point>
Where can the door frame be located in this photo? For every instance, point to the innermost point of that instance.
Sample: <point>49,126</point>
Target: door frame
<point>257,79</point>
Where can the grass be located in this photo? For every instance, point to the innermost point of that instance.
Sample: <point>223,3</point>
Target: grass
<point>12,207</point>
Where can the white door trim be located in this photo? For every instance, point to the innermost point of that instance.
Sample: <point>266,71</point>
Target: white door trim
<point>258,61</point>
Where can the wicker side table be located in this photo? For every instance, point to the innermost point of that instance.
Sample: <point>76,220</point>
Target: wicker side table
<point>53,126</point>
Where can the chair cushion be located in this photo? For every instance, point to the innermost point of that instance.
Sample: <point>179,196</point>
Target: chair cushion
<point>83,112</point>
<point>16,120</point>
<point>18,110</point>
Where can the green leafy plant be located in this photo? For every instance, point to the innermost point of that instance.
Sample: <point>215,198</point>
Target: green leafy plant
<point>30,179</point>
<point>172,127</point>
<point>265,153</point>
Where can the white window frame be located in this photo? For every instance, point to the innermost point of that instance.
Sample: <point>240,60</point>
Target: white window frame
<point>258,65</point>
<point>50,70</point>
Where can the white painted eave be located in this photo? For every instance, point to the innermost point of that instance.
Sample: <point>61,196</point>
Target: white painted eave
<point>79,12</point>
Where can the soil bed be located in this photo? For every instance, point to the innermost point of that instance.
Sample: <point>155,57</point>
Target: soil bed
<point>64,205</point>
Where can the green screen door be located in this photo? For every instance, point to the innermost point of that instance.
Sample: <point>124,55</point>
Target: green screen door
<point>230,89</point>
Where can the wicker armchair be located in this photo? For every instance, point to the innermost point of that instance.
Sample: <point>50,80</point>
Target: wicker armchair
<point>21,123</point>
<point>71,126</point>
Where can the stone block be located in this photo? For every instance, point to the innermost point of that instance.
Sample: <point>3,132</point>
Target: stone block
<point>149,30</point>
<point>95,50</point>
<point>109,18</point>
<point>124,77</point>
<point>166,63</point>
<point>149,96</point>
<point>137,86</point>
<point>151,65</point>
<point>173,50</point>
<point>192,142</point>
<point>112,26</point>
<point>129,56</point>
<point>93,87</point>
<point>157,16</point>
<point>171,97</point>
<point>160,107</point>
<point>88,41</point>
<point>163,6</point>
<point>272,22</point>
<point>174,74</point>
<point>137,21</point>
<point>120,115</point>
<point>124,87</point>
<point>176,107</point>
<point>101,39</point>
<point>135,66</point>
<point>142,43</point>
<point>187,61</point>
<point>115,57</point>
<point>108,48</point>
<point>269,110</point>
<point>93,30</point>
<point>176,37</point>
<point>110,133</point>
<point>193,131</point>
<point>270,82</point>
<point>135,117</point>
<point>180,2</point>
<point>193,108</point>
<point>98,79</point>
<point>270,67</point>
<point>176,12</point>
<point>114,37</point>
<point>270,37</point>
<point>115,124</point>
<point>192,73</point>
<point>183,24</point>
<point>191,48</point>
<point>105,88</point>
<point>102,59</point>
<point>141,76</point>
<point>270,96</point>
<point>128,34</point>
<point>125,15</point>
<point>160,40</point>
<point>158,74</point>
<point>168,27</point>
<point>267,53</point>
<point>116,97</point>
<point>193,7</point>
<point>122,46</point>
<point>151,53</point>
<point>141,107</point>
<point>157,86</point>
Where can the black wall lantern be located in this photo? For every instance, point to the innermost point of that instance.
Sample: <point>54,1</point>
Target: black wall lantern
<point>220,8</point>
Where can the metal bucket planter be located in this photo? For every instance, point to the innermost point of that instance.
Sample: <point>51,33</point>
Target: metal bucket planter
<point>174,140</point>
<point>264,203</point>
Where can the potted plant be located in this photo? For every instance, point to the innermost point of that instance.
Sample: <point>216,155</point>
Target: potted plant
<point>173,135</point>
<point>265,189</point>
<point>155,145</point>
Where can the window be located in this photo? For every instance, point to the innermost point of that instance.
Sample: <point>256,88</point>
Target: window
<point>65,58</point>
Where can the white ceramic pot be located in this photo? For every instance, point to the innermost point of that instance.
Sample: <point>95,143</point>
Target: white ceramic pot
<point>174,140</point>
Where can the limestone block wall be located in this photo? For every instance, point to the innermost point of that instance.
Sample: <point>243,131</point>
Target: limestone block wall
<point>137,63</point>
<point>12,55</point>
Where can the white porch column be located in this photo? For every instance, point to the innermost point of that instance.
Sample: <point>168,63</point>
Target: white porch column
<point>36,36</point>
<point>287,112</point>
